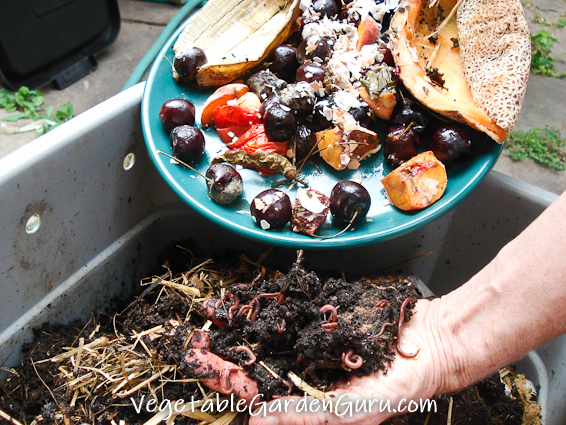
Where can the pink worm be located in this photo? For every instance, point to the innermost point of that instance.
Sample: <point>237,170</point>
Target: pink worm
<point>401,321</point>
<point>333,312</point>
<point>351,360</point>
<point>248,351</point>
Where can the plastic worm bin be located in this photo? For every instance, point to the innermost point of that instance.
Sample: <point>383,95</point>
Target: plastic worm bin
<point>84,214</point>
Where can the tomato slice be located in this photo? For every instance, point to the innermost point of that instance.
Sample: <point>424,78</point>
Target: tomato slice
<point>230,135</point>
<point>229,115</point>
<point>255,140</point>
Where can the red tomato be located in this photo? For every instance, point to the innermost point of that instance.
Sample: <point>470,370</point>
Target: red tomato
<point>231,134</point>
<point>255,140</point>
<point>229,115</point>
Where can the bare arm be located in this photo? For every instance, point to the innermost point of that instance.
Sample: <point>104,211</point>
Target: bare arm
<point>513,305</point>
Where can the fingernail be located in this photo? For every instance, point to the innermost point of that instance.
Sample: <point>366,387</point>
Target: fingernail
<point>269,420</point>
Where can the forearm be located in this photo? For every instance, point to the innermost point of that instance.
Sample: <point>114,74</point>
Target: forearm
<point>513,305</point>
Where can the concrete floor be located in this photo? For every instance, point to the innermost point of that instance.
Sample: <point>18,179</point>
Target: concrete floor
<point>143,21</point>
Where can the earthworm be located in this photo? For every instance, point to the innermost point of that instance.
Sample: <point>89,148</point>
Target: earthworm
<point>288,385</point>
<point>333,312</point>
<point>282,326</point>
<point>218,303</point>
<point>329,327</point>
<point>229,386</point>
<point>299,360</point>
<point>280,298</point>
<point>248,351</point>
<point>257,306</point>
<point>381,331</point>
<point>382,303</point>
<point>244,308</point>
<point>351,360</point>
<point>401,321</point>
<point>232,308</point>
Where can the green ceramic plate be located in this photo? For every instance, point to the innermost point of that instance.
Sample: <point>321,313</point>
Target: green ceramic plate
<point>384,221</point>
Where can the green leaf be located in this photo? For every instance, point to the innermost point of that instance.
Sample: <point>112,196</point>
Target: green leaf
<point>49,111</point>
<point>11,108</point>
<point>23,92</point>
<point>19,98</point>
<point>38,100</point>
<point>15,117</point>
<point>65,112</point>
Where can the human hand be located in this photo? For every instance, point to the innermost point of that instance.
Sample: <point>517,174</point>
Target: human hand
<point>407,381</point>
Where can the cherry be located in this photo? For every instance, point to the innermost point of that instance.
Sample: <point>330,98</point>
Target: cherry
<point>285,62</point>
<point>299,97</point>
<point>271,209</point>
<point>409,115</point>
<point>268,103</point>
<point>224,183</point>
<point>449,143</point>
<point>187,143</point>
<point>400,144</point>
<point>279,123</point>
<point>349,201</point>
<point>187,62</point>
<point>305,140</point>
<point>326,8</point>
<point>176,112</point>
<point>323,48</point>
<point>310,72</point>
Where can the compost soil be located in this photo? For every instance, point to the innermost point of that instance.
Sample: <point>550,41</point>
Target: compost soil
<point>292,331</point>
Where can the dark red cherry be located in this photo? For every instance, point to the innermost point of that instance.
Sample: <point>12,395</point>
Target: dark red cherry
<point>271,209</point>
<point>326,8</point>
<point>176,112</point>
<point>279,123</point>
<point>187,143</point>
<point>400,144</point>
<point>310,72</point>
<point>449,143</point>
<point>411,116</point>
<point>315,46</point>
<point>224,183</point>
<point>305,140</point>
<point>187,63</point>
<point>349,201</point>
<point>285,62</point>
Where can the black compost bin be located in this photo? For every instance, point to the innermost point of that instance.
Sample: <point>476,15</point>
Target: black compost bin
<point>53,40</point>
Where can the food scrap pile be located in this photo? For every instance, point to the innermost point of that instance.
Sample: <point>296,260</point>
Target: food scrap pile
<point>301,332</point>
<point>333,84</point>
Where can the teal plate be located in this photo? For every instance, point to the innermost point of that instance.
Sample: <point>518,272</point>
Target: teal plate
<point>383,221</point>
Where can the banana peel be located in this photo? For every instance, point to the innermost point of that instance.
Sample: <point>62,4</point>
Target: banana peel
<point>237,35</point>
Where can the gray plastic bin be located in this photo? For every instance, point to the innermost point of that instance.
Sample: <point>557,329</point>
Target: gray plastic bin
<point>102,224</point>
